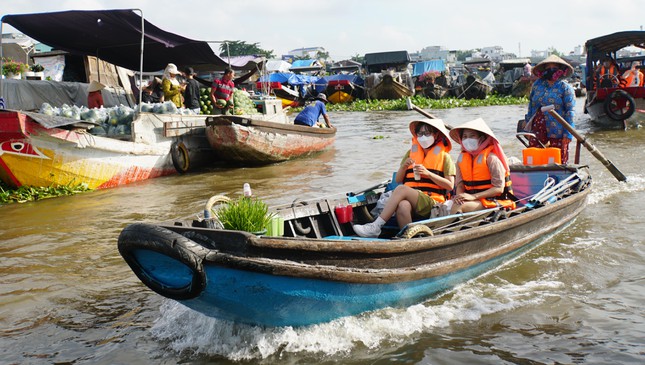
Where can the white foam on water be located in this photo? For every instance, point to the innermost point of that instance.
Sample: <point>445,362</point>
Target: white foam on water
<point>606,189</point>
<point>188,332</point>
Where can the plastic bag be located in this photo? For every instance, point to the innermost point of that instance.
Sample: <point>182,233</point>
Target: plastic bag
<point>380,204</point>
<point>441,209</point>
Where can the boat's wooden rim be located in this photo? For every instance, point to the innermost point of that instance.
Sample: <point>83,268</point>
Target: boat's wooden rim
<point>248,121</point>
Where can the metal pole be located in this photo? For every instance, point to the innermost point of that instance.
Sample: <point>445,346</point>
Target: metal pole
<point>141,58</point>
<point>2,102</point>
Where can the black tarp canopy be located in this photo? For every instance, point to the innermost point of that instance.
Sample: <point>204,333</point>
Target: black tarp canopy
<point>115,36</point>
<point>598,47</point>
<point>375,62</point>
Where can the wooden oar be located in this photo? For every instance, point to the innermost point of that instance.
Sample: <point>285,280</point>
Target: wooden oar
<point>594,151</point>
<point>423,112</point>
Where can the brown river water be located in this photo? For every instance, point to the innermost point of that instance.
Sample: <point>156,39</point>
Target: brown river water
<point>67,297</point>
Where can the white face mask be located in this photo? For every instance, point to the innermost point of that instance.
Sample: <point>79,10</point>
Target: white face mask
<point>470,144</point>
<point>425,141</point>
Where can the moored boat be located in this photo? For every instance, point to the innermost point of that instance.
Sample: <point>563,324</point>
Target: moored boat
<point>265,138</point>
<point>44,150</point>
<point>41,150</point>
<point>388,75</point>
<point>614,103</point>
<point>314,269</point>
<point>343,88</point>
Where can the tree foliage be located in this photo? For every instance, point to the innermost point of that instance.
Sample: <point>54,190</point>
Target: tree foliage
<point>462,55</point>
<point>358,58</point>
<point>241,48</point>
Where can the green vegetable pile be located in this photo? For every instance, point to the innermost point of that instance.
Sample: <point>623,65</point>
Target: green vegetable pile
<point>243,103</point>
<point>30,193</point>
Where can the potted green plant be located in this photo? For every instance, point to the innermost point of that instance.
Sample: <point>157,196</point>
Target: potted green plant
<point>38,70</point>
<point>12,69</point>
<point>245,214</point>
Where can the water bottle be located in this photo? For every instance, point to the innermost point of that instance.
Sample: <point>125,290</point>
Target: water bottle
<point>417,175</point>
<point>247,190</point>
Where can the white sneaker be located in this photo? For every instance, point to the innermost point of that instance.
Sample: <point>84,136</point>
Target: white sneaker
<point>367,230</point>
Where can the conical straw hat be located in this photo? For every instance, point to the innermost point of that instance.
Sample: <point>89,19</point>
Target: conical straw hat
<point>95,86</point>
<point>436,123</point>
<point>476,124</point>
<point>553,59</point>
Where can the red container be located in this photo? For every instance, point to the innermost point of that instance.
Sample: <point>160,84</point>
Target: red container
<point>344,213</point>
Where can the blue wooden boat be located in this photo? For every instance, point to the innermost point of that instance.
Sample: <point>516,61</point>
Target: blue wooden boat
<point>314,269</point>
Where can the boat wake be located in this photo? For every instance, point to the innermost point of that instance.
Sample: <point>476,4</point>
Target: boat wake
<point>606,189</point>
<point>189,332</point>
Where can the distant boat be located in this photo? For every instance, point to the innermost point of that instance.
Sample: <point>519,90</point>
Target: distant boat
<point>611,103</point>
<point>342,88</point>
<point>292,89</point>
<point>264,138</point>
<point>476,82</point>
<point>430,78</point>
<point>510,78</point>
<point>388,75</point>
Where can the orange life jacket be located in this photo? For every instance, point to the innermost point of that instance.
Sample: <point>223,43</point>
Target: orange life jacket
<point>433,161</point>
<point>611,71</point>
<point>476,178</point>
<point>633,78</point>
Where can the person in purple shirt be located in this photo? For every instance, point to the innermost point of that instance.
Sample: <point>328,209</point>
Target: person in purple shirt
<point>310,114</point>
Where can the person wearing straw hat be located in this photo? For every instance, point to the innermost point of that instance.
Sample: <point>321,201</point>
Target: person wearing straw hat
<point>483,176</point>
<point>94,95</point>
<point>551,89</point>
<point>172,89</point>
<point>426,175</point>
<point>311,113</point>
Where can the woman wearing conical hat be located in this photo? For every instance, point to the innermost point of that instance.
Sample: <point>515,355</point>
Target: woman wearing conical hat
<point>94,95</point>
<point>483,177</point>
<point>551,89</point>
<point>426,175</point>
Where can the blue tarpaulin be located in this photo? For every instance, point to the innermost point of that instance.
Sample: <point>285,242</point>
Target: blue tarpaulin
<point>289,78</point>
<point>303,63</point>
<point>420,68</point>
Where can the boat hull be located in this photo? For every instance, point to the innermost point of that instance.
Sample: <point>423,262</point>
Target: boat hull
<point>343,91</point>
<point>296,280</point>
<point>597,105</point>
<point>255,141</point>
<point>34,155</point>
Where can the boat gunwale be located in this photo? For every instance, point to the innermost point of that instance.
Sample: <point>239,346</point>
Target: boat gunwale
<point>262,125</point>
<point>369,275</point>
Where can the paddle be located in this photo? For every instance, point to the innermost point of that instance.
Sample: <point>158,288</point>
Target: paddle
<point>594,151</point>
<point>411,106</point>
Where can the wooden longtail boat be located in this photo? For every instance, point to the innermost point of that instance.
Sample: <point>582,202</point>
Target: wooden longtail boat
<point>262,139</point>
<point>41,150</point>
<point>314,268</point>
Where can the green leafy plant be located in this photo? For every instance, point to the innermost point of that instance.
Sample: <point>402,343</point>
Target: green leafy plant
<point>245,214</point>
<point>36,67</point>
<point>422,102</point>
<point>33,193</point>
<point>14,67</point>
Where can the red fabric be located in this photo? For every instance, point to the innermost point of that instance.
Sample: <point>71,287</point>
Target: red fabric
<point>538,127</point>
<point>95,99</point>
